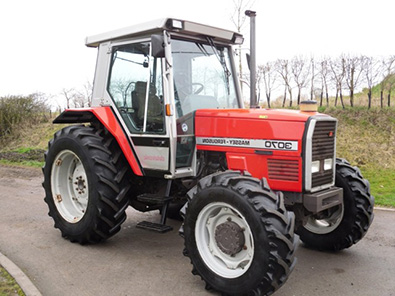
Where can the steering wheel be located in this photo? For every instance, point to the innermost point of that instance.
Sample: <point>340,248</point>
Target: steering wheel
<point>184,90</point>
<point>198,89</point>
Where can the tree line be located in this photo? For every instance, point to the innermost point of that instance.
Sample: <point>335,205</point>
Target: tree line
<point>319,78</point>
<point>78,98</point>
<point>16,111</point>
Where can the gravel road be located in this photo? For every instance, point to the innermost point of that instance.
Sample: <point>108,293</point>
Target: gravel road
<point>139,262</point>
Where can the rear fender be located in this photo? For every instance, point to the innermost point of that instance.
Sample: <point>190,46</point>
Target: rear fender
<point>106,116</point>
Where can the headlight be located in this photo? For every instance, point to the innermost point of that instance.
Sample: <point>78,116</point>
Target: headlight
<point>315,166</point>
<point>328,163</point>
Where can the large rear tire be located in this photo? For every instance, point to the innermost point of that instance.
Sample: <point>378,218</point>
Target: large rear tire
<point>86,183</point>
<point>344,225</point>
<point>238,235</point>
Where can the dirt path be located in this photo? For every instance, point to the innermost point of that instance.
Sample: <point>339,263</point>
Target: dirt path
<point>11,172</point>
<point>138,262</point>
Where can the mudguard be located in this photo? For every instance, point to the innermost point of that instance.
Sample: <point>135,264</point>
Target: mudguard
<point>106,116</point>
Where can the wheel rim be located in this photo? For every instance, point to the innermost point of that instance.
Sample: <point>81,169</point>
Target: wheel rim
<point>69,185</point>
<point>323,224</point>
<point>224,240</point>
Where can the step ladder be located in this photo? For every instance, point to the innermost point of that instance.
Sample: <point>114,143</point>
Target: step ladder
<point>163,201</point>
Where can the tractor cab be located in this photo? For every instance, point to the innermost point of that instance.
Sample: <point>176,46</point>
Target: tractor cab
<point>155,76</point>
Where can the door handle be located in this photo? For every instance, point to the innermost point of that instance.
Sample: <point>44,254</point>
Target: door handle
<point>159,143</point>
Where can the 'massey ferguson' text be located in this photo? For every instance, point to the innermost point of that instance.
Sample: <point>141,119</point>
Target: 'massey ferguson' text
<point>249,143</point>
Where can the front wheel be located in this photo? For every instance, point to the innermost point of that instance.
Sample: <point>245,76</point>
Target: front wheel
<point>238,235</point>
<point>344,225</point>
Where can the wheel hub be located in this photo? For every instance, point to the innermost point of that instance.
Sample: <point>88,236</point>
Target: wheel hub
<point>80,185</point>
<point>69,184</point>
<point>229,238</point>
<point>224,239</point>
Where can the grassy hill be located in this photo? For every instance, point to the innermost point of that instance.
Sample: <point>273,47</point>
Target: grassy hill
<point>366,138</point>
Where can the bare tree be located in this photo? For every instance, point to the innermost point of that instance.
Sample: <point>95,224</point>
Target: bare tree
<point>390,85</point>
<point>69,94</point>
<point>269,76</point>
<point>88,88</point>
<point>300,74</point>
<point>389,80</point>
<point>383,75</point>
<point>353,74</point>
<point>324,76</point>
<point>78,98</point>
<point>312,66</point>
<point>338,70</point>
<point>371,72</point>
<point>122,87</point>
<point>283,69</point>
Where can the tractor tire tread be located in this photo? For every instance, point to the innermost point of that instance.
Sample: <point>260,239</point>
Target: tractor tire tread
<point>112,175</point>
<point>281,241</point>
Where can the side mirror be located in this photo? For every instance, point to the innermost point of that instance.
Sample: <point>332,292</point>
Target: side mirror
<point>157,46</point>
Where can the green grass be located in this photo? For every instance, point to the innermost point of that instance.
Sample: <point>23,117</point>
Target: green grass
<point>24,150</point>
<point>8,286</point>
<point>26,163</point>
<point>25,156</point>
<point>381,185</point>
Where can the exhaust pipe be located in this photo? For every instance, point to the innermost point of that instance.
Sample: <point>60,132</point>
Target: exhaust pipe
<point>252,61</point>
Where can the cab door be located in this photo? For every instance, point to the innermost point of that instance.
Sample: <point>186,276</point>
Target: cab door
<point>141,87</point>
<point>136,87</point>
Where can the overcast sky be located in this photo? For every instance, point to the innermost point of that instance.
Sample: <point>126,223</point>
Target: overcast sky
<point>42,45</point>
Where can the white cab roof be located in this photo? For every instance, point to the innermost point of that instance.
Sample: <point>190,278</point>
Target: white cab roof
<point>157,26</point>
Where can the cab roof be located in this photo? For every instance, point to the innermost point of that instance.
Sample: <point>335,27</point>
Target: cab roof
<point>169,24</point>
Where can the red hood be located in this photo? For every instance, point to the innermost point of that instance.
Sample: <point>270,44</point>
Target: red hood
<point>252,123</point>
<point>268,114</point>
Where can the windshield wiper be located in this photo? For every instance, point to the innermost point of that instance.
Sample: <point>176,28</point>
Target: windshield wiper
<point>202,49</point>
<point>220,57</point>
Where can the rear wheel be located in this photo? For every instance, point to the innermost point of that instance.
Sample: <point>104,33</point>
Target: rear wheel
<point>344,225</point>
<point>238,235</point>
<point>86,183</point>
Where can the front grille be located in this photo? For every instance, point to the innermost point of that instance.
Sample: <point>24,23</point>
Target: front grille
<point>323,147</point>
<point>280,169</point>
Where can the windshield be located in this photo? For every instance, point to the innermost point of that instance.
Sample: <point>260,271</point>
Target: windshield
<point>202,77</point>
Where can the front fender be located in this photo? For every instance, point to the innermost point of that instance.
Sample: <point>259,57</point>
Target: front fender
<point>107,117</point>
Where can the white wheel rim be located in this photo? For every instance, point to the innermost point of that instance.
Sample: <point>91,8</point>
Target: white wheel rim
<point>224,265</point>
<point>69,185</point>
<point>327,224</point>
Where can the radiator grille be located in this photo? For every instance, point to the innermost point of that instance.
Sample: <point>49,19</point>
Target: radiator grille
<point>280,169</point>
<point>323,147</point>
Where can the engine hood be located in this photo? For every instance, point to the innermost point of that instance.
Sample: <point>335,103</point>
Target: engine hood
<point>279,131</point>
<point>258,114</point>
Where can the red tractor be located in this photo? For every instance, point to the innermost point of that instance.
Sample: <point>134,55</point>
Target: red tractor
<point>167,131</point>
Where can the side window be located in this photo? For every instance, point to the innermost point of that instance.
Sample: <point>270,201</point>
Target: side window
<point>135,85</point>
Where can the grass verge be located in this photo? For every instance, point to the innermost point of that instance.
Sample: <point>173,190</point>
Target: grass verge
<point>8,286</point>
<point>31,157</point>
<point>24,163</point>
<point>381,185</point>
